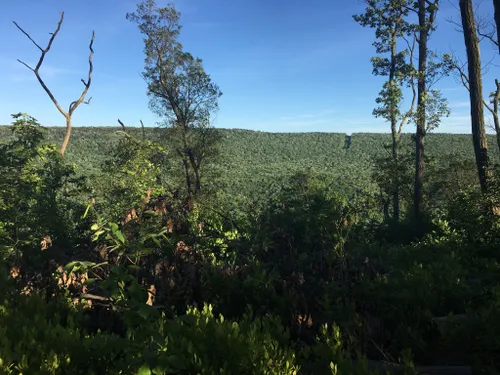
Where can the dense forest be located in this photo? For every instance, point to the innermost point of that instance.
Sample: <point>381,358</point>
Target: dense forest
<point>188,249</point>
<point>252,162</point>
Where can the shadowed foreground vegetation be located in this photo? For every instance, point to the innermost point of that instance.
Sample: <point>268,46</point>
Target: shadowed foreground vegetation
<point>106,269</point>
<point>188,250</point>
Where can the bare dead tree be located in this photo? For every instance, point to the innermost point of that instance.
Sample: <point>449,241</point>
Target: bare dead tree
<point>74,105</point>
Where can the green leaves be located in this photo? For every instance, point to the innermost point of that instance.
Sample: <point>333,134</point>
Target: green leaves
<point>180,91</point>
<point>35,194</point>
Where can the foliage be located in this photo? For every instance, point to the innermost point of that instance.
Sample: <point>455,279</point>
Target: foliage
<point>305,276</point>
<point>135,169</point>
<point>179,90</point>
<point>37,191</point>
<point>47,339</point>
<point>193,250</point>
<point>389,18</point>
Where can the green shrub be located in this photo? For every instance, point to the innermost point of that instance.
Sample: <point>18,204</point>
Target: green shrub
<point>36,198</point>
<point>48,338</point>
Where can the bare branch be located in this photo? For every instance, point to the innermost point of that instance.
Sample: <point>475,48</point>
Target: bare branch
<point>28,35</point>
<point>40,61</point>
<point>490,35</point>
<point>461,72</point>
<point>26,65</point>
<point>411,110</point>
<point>485,67</point>
<point>407,115</point>
<point>75,105</point>
<point>122,125</point>
<point>465,82</point>
<point>94,297</point>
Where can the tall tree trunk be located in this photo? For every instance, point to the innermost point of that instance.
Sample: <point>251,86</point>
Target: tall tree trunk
<point>188,177</point>
<point>498,138</point>
<point>496,120</point>
<point>394,130</point>
<point>197,184</point>
<point>475,91</point>
<point>196,170</point>
<point>496,5</point>
<point>421,108</point>
<point>67,136</point>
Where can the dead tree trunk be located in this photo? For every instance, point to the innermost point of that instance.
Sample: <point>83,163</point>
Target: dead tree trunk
<point>475,91</point>
<point>74,105</point>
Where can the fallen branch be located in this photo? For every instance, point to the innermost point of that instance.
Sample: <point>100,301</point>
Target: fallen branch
<point>94,297</point>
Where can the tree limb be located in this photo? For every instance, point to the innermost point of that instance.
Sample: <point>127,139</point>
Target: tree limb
<point>412,84</point>
<point>122,125</point>
<point>44,51</point>
<point>76,103</point>
<point>40,61</point>
<point>143,131</point>
<point>489,36</point>
<point>465,83</point>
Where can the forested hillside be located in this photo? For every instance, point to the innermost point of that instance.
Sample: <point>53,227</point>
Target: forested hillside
<point>252,161</point>
<point>193,250</point>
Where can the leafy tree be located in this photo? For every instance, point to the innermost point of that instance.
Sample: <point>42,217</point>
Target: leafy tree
<point>135,174</point>
<point>390,172</point>
<point>179,90</point>
<point>389,19</point>
<point>426,11</point>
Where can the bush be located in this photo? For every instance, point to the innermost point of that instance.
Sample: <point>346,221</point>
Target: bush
<point>38,213</point>
<point>49,338</point>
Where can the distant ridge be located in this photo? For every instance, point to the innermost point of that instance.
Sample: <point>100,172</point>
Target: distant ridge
<point>115,127</point>
<point>252,161</point>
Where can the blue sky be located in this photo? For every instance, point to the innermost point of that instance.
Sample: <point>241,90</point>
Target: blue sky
<point>283,66</point>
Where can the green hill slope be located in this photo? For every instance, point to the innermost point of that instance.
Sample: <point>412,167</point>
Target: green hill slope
<point>252,160</point>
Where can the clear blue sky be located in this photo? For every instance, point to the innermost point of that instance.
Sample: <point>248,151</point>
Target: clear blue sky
<point>283,65</point>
